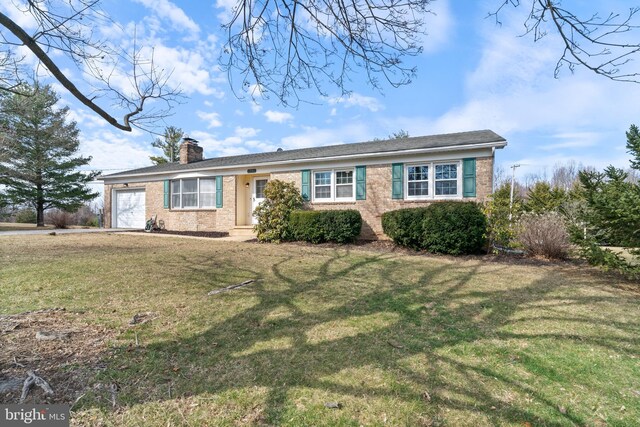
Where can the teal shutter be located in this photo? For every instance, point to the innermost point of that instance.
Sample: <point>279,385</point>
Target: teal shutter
<point>306,185</point>
<point>361,182</point>
<point>469,177</point>
<point>218,191</point>
<point>397,185</point>
<point>166,194</point>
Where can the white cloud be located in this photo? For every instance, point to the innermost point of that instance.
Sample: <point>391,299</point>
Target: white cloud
<point>246,132</point>
<point>357,100</point>
<point>169,11</point>
<point>573,140</point>
<point>439,25</point>
<point>116,151</point>
<point>316,137</point>
<point>212,119</point>
<point>277,116</point>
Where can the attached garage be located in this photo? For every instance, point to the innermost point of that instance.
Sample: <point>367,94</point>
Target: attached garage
<point>129,209</point>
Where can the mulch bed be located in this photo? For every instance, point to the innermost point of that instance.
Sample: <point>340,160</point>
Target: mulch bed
<point>210,234</point>
<point>67,364</point>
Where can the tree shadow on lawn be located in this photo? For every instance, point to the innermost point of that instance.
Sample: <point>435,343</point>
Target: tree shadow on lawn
<point>450,346</point>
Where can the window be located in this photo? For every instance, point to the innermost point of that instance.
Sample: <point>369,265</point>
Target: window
<point>193,193</point>
<point>322,185</point>
<point>446,180</point>
<point>207,193</point>
<point>433,180</point>
<point>334,185</point>
<point>418,181</point>
<point>344,184</point>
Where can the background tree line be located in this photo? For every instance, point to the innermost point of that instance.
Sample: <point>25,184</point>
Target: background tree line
<point>582,205</point>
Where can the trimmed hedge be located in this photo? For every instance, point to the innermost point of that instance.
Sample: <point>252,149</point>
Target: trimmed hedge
<point>404,226</point>
<point>340,226</point>
<point>454,228</point>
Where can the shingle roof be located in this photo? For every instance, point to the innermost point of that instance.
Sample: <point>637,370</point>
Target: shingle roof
<point>386,146</point>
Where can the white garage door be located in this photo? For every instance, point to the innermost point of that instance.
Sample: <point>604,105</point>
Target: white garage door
<point>130,211</point>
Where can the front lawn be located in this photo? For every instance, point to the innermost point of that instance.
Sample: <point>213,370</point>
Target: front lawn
<point>324,336</point>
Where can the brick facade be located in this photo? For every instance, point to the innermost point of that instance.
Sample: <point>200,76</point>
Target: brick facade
<point>378,200</point>
<point>222,219</point>
<point>378,197</point>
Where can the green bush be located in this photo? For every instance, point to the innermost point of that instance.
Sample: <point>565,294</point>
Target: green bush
<point>608,260</point>
<point>404,226</point>
<point>340,226</point>
<point>454,228</point>
<point>26,216</point>
<point>281,198</point>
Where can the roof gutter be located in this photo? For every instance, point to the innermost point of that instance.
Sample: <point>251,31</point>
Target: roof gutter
<point>493,145</point>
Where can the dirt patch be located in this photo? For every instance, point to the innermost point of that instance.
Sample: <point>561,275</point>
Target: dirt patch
<point>67,363</point>
<point>210,234</point>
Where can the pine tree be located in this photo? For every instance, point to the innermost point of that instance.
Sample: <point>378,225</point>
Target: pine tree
<point>169,144</point>
<point>633,146</point>
<point>37,149</point>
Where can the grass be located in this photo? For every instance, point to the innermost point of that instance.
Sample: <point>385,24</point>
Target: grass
<point>394,339</point>
<point>15,226</point>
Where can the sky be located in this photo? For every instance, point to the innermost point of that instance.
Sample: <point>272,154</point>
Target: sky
<point>473,74</point>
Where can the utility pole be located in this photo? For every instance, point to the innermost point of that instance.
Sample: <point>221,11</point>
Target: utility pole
<point>513,179</point>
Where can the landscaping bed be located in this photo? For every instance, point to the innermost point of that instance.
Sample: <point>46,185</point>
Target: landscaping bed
<point>209,234</point>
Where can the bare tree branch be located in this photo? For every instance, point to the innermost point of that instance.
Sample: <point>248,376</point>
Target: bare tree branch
<point>283,47</point>
<point>604,45</point>
<point>68,28</point>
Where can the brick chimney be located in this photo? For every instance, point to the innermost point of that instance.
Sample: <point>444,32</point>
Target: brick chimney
<point>190,151</point>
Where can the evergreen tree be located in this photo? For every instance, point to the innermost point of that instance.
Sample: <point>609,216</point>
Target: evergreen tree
<point>169,144</point>
<point>633,146</point>
<point>613,201</point>
<point>37,149</point>
<point>541,198</point>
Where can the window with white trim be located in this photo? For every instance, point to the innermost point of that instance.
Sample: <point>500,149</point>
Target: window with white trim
<point>418,181</point>
<point>446,180</point>
<point>344,184</point>
<point>333,185</point>
<point>193,193</point>
<point>433,180</point>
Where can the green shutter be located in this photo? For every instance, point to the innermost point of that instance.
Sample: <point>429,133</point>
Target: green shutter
<point>469,177</point>
<point>361,182</point>
<point>306,185</point>
<point>166,193</point>
<point>218,191</point>
<point>397,185</point>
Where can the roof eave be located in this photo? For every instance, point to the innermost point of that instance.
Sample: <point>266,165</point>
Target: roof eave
<point>501,143</point>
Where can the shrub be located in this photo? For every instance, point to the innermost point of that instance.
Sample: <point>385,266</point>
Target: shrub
<point>281,198</point>
<point>608,260</point>
<point>340,226</point>
<point>58,218</point>
<point>501,230</point>
<point>544,235</point>
<point>92,222</point>
<point>26,216</point>
<point>454,228</point>
<point>404,226</point>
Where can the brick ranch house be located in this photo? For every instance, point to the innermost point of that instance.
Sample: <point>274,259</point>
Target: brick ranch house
<point>220,194</point>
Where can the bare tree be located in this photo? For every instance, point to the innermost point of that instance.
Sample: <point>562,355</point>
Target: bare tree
<point>605,45</point>
<point>564,176</point>
<point>282,47</point>
<point>66,29</point>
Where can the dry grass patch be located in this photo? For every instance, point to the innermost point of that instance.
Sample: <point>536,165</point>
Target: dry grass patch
<point>390,338</point>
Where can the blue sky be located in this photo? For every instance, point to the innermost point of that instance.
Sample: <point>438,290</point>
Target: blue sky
<point>472,75</point>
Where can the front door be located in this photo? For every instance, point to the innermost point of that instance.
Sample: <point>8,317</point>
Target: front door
<point>257,196</point>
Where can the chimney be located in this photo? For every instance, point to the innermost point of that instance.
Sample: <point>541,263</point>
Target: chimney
<point>190,151</point>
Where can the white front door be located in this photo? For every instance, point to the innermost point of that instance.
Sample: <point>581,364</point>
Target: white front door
<point>257,195</point>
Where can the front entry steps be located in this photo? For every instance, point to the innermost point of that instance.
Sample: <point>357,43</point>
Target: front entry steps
<point>242,230</point>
